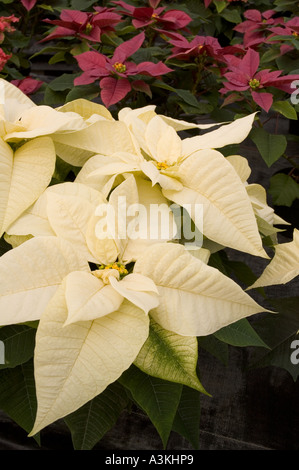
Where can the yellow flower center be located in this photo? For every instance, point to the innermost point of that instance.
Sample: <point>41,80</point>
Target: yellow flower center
<point>119,67</point>
<point>154,15</point>
<point>105,271</point>
<point>88,28</point>
<point>105,274</point>
<point>295,34</point>
<point>254,83</point>
<point>162,165</point>
<point>118,266</point>
<point>200,46</point>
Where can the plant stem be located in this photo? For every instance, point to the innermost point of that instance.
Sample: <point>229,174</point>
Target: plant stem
<point>290,160</point>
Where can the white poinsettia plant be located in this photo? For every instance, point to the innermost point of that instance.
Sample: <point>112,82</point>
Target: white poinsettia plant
<point>111,268</point>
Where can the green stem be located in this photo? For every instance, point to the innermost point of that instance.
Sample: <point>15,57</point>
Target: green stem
<point>151,36</point>
<point>291,161</point>
<point>197,78</point>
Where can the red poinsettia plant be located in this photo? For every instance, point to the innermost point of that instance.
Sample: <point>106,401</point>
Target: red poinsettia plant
<point>88,26</point>
<point>157,18</point>
<point>243,74</point>
<point>115,73</point>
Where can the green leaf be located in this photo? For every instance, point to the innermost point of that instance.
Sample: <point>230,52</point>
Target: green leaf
<point>200,10</point>
<point>165,86</point>
<point>92,421</point>
<point>186,421</point>
<point>43,6</point>
<point>62,170</point>
<point>233,16</point>
<point>270,55</point>
<point>265,228</point>
<point>63,82</point>
<point>216,348</point>
<point>127,29</point>
<point>111,39</point>
<point>282,37</point>
<point>48,50</point>
<point>286,109</point>
<point>156,397</point>
<point>19,343</point>
<point>187,97</point>
<point>4,246</point>
<point>279,331</point>
<point>219,260</point>
<point>283,5</point>
<point>270,146</point>
<point>146,54</point>
<point>242,271</point>
<point>52,98</point>
<point>240,334</point>
<point>12,72</point>
<point>220,5</point>
<point>229,267</point>
<point>287,63</point>
<point>283,189</point>
<point>80,48</point>
<point>17,395</point>
<point>58,57</point>
<point>15,60</point>
<point>82,4</point>
<point>18,39</point>
<point>169,356</point>
<point>188,102</point>
<point>87,92</point>
<point>202,108</point>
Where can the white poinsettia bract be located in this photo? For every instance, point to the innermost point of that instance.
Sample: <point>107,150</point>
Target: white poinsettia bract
<point>98,260</point>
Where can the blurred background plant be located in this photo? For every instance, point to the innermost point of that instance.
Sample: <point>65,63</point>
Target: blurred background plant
<point>217,58</point>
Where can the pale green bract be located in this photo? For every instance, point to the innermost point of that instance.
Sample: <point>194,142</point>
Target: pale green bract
<point>103,298</point>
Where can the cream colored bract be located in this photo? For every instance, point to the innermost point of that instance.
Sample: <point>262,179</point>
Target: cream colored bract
<point>25,174</point>
<point>284,266</point>
<point>188,171</point>
<point>99,292</point>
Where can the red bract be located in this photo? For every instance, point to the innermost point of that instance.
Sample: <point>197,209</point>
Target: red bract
<point>183,49</point>
<point>255,26</point>
<point>3,58</point>
<point>85,25</point>
<point>255,19</point>
<point>243,75</point>
<point>27,85</point>
<point>114,72</point>
<point>290,28</point>
<point>171,20</point>
<point>5,25</point>
<point>6,21</point>
<point>28,4</point>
